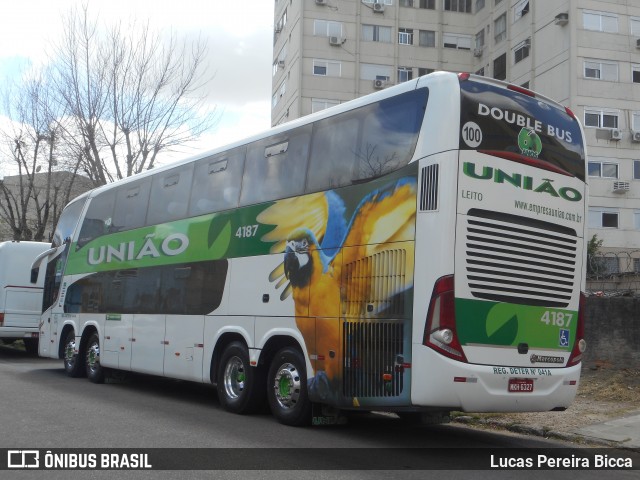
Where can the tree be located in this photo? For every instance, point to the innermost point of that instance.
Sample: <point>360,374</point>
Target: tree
<point>129,94</point>
<point>594,262</point>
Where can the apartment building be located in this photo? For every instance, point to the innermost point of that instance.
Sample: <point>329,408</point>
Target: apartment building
<point>583,53</point>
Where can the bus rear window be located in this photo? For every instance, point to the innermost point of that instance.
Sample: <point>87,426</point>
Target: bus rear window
<point>506,123</point>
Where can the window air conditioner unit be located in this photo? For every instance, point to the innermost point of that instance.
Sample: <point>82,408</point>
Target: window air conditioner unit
<point>620,187</point>
<point>378,7</point>
<point>477,52</point>
<point>527,42</point>
<point>378,84</point>
<point>562,19</point>
<point>615,134</point>
<point>281,63</point>
<point>638,43</point>
<point>334,40</point>
<point>321,2</point>
<point>635,136</point>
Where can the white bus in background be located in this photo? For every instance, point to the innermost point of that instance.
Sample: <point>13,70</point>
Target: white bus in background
<point>417,250</point>
<point>20,299</point>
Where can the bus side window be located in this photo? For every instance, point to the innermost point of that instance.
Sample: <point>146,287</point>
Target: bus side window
<point>276,167</point>
<point>98,218</point>
<point>132,200</point>
<point>170,195</point>
<point>216,182</point>
<point>332,152</point>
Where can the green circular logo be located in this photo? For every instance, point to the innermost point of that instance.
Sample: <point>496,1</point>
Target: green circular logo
<point>529,142</point>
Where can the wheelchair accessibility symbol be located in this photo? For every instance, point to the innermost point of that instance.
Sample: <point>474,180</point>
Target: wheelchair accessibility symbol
<point>564,337</point>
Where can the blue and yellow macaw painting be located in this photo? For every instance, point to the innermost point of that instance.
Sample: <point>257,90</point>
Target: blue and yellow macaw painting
<point>326,267</point>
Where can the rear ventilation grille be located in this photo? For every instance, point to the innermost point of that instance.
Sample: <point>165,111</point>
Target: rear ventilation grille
<point>429,188</point>
<point>371,353</point>
<point>374,285</point>
<point>518,260</point>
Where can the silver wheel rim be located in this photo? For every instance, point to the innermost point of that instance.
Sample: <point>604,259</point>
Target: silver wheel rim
<point>69,354</point>
<point>287,386</point>
<point>234,377</point>
<point>93,357</point>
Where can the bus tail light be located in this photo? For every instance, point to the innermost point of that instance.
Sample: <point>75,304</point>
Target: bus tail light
<point>580,344</point>
<point>1,319</point>
<point>440,330</point>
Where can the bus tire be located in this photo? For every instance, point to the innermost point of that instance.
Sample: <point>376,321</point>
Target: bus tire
<point>241,387</point>
<point>71,364</point>
<point>95,371</point>
<point>287,388</point>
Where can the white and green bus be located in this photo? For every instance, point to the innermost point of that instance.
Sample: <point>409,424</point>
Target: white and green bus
<point>420,249</point>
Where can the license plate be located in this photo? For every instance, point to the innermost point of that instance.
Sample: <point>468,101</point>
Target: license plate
<point>521,385</point>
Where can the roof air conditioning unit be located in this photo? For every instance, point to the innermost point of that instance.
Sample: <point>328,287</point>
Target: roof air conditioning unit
<point>335,41</point>
<point>477,52</point>
<point>378,84</point>
<point>378,7</point>
<point>615,134</point>
<point>620,187</point>
<point>562,19</point>
<point>635,136</point>
<point>321,2</point>
<point>281,63</point>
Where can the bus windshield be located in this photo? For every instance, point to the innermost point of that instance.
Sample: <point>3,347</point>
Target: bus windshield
<point>519,127</point>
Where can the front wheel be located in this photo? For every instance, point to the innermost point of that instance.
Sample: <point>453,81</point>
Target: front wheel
<point>71,364</point>
<point>95,372</point>
<point>240,387</point>
<point>287,388</point>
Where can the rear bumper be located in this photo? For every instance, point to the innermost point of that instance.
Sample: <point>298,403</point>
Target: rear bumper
<point>18,332</point>
<point>440,381</point>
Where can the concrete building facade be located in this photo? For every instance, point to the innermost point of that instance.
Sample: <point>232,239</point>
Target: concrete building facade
<point>583,53</point>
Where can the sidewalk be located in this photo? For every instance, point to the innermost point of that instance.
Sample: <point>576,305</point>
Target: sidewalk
<point>623,432</point>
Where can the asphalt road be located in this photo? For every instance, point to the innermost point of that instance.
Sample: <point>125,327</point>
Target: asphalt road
<point>43,408</point>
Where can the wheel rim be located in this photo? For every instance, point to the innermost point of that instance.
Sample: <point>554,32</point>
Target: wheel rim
<point>234,377</point>
<point>69,353</point>
<point>93,357</point>
<point>286,385</point>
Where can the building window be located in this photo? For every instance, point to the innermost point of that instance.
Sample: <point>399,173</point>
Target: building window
<point>600,118</point>
<point>427,38</point>
<point>405,36</point>
<point>326,68</point>
<point>603,218</point>
<point>371,71</point>
<point>463,6</point>
<point>601,70</point>
<point>634,26</point>
<point>522,51</point>
<point>385,2</point>
<point>599,21</point>
<point>406,3</point>
<point>376,33</point>
<point>452,40</point>
<point>325,28</point>
<point>500,67</point>
<point>480,72</point>
<point>603,169</point>
<point>635,121</point>
<point>635,73</point>
<point>428,4</point>
<point>425,71</point>
<point>318,104</point>
<point>636,169</point>
<point>480,39</point>
<point>521,9</point>
<point>405,74</point>
<point>479,5</point>
<point>605,265</point>
<point>636,225</point>
<point>500,28</point>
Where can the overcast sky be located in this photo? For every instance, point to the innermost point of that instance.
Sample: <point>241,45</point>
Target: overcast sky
<point>239,36</point>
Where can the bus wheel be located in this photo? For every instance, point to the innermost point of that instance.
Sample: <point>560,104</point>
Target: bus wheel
<point>95,372</point>
<point>240,387</point>
<point>287,388</point>
<point>71,364</point>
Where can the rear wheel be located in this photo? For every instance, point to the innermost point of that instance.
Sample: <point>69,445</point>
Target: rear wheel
<point>241,388</point>
<point>71,364</point>
<point>287,388</point>
<point>95,372</point>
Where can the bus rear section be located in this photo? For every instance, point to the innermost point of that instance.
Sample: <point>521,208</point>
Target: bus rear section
<point>504,327</point>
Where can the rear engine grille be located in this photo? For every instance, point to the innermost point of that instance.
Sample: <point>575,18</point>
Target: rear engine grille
<point>518,260</point>
<point>372,350</point>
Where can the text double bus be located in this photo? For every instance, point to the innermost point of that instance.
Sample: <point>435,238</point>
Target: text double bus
<point>420,249</point>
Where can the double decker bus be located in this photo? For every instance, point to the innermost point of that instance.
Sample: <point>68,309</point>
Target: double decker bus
<point>418,250</point>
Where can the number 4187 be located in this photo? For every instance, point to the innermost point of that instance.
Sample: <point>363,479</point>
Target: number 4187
<point>559,319</point>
